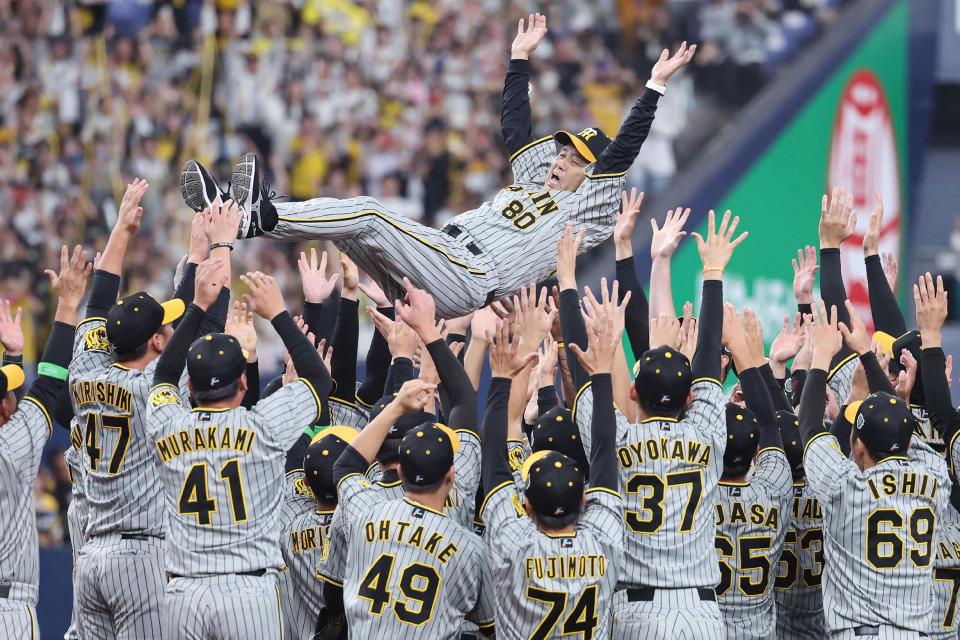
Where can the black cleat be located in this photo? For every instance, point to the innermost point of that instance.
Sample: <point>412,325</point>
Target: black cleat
<point>198,187</point>
<point>251,191</point>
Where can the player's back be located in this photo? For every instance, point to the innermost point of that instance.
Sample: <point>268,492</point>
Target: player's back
<point>946,576</point>
<point>751,525</point>
<point>668,477</point>
<point>223,477</point>
<point>880,538</point>
<point>305,545</point>
<point>800,570</point>
<point>410,573</point>
<point>122,486</point>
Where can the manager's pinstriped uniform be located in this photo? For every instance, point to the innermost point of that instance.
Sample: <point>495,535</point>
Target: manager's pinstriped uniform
<point>800,571</point>
<point>752,520</point>
<point>222,474</point>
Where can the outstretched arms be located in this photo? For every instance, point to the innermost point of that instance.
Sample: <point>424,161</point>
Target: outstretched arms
<point>516,121</point>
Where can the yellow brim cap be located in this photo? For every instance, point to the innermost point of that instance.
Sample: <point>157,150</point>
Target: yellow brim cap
<point>14,375</point>
<point>850,413</point>
<point>347,434</point>
<point>172,309</point>
<point>578,144</point>
<point>885,340</point>
<point>454,438</point>
<point>529,462</point>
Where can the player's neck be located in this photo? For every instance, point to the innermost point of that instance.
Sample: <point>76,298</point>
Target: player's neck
<point>140,363</point>
<point>567,530</point>
<point>434,501</point>
<point>226,403</point>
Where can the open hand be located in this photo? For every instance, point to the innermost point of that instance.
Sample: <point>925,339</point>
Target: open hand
<point>11,332</point>
<point>838,220</point>
<point>529,35</point>
<point>716,250</point>
<point>264,298</point>
<point>804,274</point>
<point>667,65</point>
<point>131,213</point>
<point>666,239</point>
<point>317,287</point>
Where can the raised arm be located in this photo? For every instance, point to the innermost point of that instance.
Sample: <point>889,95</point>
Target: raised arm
<point>516,120</point>
<point>402,343</point>
<point>343,363</point>
<point>838,221</point>
<point>826,341</point>
<point>747,350</point>
<point>240,326</point>
<point>638,313</point>
<point>805,270</point>
<point>571,319</point>
<point>419,311</point>
<point>715,253</point>
<point>377,363</point>
<point>887,316</point>
<point>858,341</point>
<point>663,243</point>
<point>623,150</point>
<point>320,306</point>
<point>931,305</point>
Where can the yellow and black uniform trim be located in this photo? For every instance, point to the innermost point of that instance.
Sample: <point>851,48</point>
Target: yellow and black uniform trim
<point>840,364</point>
<point>43,410</point>
<point>811,441</point>
<point>392,223</point>
<point>529,145</point>
<point>483,505</point>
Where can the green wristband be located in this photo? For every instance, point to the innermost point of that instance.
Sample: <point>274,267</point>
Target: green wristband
<point>52,371</point>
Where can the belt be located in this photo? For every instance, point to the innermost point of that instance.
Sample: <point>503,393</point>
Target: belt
<point>255,573</point>
<point>454,231</point>
<point>5,590</point>
<point>132,535</point>
<point>873,631</point>
<point>645,594</point>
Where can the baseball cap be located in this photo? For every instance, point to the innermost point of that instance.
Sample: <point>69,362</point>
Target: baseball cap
<point>743,434</point>
<point>132,321</point>
<point>663,378</point>
<point>318,461</point>
<point>589,142</point>
<point>883,422</point>
<point>789,426</point>
<point>404,423</point>
<point>556,431</point>
<point>215,361</point>
<point>11,377</point>
<point>554,483</point>
<point>426,453</point>
<point>909,341</point>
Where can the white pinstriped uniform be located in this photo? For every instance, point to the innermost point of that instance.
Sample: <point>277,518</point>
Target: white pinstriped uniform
<point>346,414</point>
<point>841,378</point>
<point>77,512</point>
<point>752,520</point>
<point>297,500</point>
<point>800,571</point>
<point>669,472</point>
<point>21,443</point>
<point>119,579</point>
<point>514,234</point>
<point>553,586</point>
<point>946,577</point>
<point>411,573</point>
<point>879,536</point>
<point>305,547</point>
<point>222,475</point>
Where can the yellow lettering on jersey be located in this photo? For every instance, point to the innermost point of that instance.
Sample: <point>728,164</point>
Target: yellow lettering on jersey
<point>303,540</point>
<point>195,439</point>
<point>397,531</point>
<point>752,513</point>
<point>689,451</point>
<point>909,483</point>
<point>101,392</point>
<point>416,539</point>
<point>383,533</point>
<point>807,509</point>
<point>572,567</point>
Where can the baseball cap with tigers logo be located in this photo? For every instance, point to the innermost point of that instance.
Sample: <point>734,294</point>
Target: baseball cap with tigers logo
<point>589,142</point>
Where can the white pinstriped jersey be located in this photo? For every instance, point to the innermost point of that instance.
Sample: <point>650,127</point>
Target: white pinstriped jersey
<point>946,576</point>
<point>520,226</point>
<point>925,430</point>
<point>109,402</point>
<point>347,414</point>
<point>305,545</point>
<point>222,474</point>
<point>73,457</point>
<point>669,472</point>
<point>21,443</point>
<point>517,452</point>
<point>553,586</point>
<point>752,520</point>
<point>841,378</point>
<point>800,570</point>
<point>879,533</point>
<point>411,572</point>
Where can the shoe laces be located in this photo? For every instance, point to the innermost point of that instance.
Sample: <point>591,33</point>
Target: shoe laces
<point>265,188</point>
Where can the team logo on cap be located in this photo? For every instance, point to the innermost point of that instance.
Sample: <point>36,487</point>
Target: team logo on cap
<point>860,422</point>
<point>214,381</point>
<point>587,133</point>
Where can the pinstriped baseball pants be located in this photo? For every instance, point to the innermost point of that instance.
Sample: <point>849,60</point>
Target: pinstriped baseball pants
<point>76,527</point>
<point>18,620</point>
<point>885,632</point>
<point>227,607</point>
<point>389,246</point>
<point>119,588</point>
<point>673,614</point>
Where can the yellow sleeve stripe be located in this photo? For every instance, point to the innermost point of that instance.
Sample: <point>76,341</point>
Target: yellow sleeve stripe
<point>488,626</point>
<point>765,449</point>
<point>363,404</point>
<point>840,364</point>
<point>953,440</point>
<point>315,397</point>
<point>528,145</point>
<point>812,440</point>
<point>90,319</point>
<point>604,490</point>
<point>349,475</point>
<point>483,505</point>
<point>327,578</point>
<point>713,380</point>
<point>43,410</point>
<point>345,403</point>
<point>576,398</point>
<point>599,176</point>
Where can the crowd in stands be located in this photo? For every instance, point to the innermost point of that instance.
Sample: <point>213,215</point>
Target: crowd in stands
<point>397,99</point>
